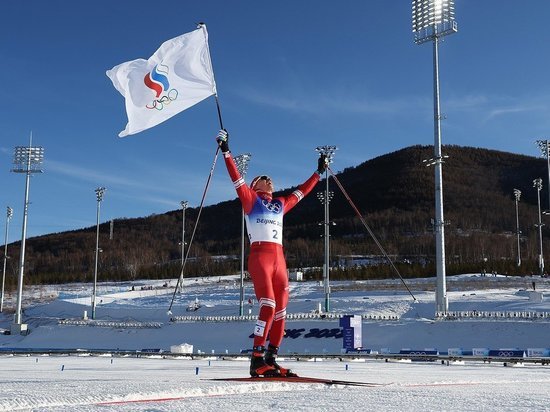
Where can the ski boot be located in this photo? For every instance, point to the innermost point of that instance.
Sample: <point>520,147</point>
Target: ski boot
<point>258,365</point>
<point>270,359</point>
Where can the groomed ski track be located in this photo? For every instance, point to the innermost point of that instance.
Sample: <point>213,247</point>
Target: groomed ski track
<point>86,383</point>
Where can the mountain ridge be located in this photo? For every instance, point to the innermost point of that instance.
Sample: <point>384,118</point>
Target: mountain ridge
<point>394,192</point>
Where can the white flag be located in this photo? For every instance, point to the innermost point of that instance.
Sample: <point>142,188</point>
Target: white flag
<point>176,77</point>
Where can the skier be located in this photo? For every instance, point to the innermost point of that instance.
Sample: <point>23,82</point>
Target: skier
<point>266,261</point>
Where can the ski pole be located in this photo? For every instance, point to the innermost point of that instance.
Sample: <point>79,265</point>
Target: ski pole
<point>180,277</point>
<point>194,229</point>
<point>363,221</point>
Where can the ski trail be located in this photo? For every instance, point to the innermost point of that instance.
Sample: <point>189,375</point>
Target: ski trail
<point>30,402</point>
<point>215,390</point>
<point>33,402</point>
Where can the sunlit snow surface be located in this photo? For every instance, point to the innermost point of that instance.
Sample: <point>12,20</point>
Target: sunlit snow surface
<point>104,383</point>
<point>138,384</point>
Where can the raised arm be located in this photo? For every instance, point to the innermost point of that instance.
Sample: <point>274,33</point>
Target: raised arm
<point>246,195</point>
<point>305,188</point>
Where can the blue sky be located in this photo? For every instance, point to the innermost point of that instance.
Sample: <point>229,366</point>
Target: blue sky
<point>291,75</point>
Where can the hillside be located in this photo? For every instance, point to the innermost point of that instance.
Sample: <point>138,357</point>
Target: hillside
<point>394,192</point>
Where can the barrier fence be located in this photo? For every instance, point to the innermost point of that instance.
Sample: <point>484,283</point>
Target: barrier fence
<point>289,316</point>
<point>111,324</point>
<point>505,356</point>
<point>502,315</point>
<point>445,316</point>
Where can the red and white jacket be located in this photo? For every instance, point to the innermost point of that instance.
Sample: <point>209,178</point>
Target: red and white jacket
<point>264,214</point>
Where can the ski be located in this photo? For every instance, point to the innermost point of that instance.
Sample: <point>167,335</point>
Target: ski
<point>299,379</point>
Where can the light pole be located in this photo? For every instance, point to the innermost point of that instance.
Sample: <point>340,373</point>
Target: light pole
<point>544,146</point>
<point>537,184</point>
<point>184,204</point>
<point>28,160</point>
<point>8,218</point>
<point>241,161</point>
<point>325,198</point>
<point>99,195</point>
<point>432,20</point>
<point>328,151</point>
<point>517,195</point>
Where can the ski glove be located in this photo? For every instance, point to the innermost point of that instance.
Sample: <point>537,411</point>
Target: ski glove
<point>322,164</point>
<point>222,139</point>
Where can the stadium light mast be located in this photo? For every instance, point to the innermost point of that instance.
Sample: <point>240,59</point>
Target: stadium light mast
<point>241,161</point>
<point>325,198</point>
<point>517,195</point>
<point>328,151</point>
<point>432,20</point>
<point>28,160</point>
<point>537,184</point>
<point>8,218</point>
<point>544,146</point>
<point>99,196</point>
<point>184,204</point>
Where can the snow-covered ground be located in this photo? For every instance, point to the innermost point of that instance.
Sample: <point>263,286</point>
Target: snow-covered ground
<point>492,312</point>
<point>393,320</point>
<point>130,384</point>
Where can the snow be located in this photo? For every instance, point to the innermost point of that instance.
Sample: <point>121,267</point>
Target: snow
<point>132,320</point>
<point>138,384</point>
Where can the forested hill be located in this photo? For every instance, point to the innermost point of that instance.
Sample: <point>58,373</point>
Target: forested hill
<point>394,192</point>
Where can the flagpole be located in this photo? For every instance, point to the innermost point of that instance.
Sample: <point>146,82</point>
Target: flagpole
<point>180,277</point>
<point>219,111</point>
<point>202,26</point>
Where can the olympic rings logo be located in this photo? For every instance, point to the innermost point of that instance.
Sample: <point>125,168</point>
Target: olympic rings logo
<point>164,100</point>
<point>505,354</point>
<point>272,207</point>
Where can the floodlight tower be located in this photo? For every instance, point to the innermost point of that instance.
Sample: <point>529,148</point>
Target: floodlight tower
<point>537,184</point>
<point>28,160</point>
<point>99,196</point>
<point>184,204</point>
<point>432,20</point>
<point>544,146</point>
<point>241,161</point>
<point>325,198</point>
<point>517,195</point>
<point>328,151</point>
<point>8,218</point>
